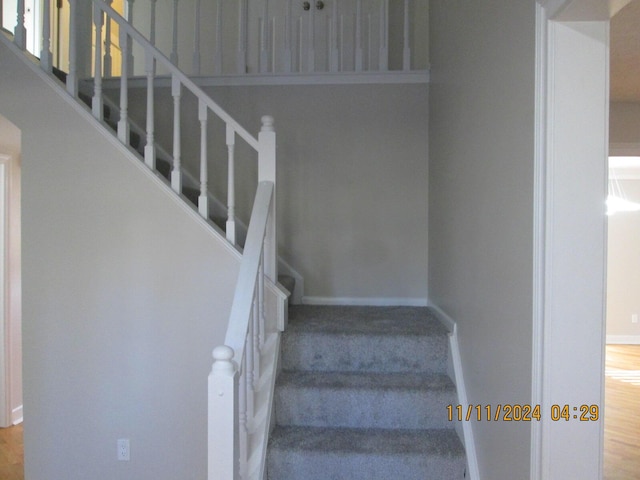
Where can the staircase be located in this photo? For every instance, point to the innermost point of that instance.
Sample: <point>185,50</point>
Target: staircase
<point>362,395</point>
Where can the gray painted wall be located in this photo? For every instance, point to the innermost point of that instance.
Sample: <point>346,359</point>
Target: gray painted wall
<point>481,153</point>
<point>352,178</point>
<point>119,316</point>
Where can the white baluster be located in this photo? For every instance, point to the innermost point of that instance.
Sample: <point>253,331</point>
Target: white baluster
<point>20,32</point>
<point>123,124</point>
<point>267,173</point>
<point>273,44</point>
<point>255,338</point>
<point>243,433</point>
<point>264,39</point>
<point>406,52</point>
<point>217,57</point>
<point>174,51</point>
<point>107,44</point>
<point>196,40</point>
<point>261,316</point>
<point>333,38</point>
<point>311,52</point>
<point>96,104</point>
<point>176,174</point>
<point>152,22</point>
<point>46,58</point>
<point>300,45</point>
<point>203,199</point>
<point>72,77</point>
<point>241,58</point>
<point>383,58</point>
<point>249,377</point>
<point>370,44</point>
<point>222,411</point>
<point>287,54</point>
<point>231,189</point>
<point>150,147</point>
<point>358,49</point>
<point>129,18</point>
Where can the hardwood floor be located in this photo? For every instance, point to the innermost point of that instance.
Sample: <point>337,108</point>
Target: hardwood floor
<point>621,421</point>
<point>11,453</point>
<point>622,413</point>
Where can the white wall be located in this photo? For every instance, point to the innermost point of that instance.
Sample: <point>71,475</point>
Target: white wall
<point>120,316</point>
<point>623,267</point>
<point>481,154</point>
<point>352,179</point>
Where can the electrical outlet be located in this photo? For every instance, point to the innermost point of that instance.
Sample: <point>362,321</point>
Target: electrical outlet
<point>124,454</point>
<point>634,318</point>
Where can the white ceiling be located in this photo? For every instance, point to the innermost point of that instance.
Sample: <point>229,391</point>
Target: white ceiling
<point>625,54</point>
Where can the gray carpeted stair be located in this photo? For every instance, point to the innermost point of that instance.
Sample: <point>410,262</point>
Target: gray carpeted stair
<point>363,395</point>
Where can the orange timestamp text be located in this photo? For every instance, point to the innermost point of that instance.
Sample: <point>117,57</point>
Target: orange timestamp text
<point>522,413</point>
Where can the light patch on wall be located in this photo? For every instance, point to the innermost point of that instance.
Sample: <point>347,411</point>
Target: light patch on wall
<point>622,168</point>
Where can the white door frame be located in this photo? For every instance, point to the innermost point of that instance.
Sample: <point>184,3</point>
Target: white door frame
<point>5,330</point>
<point>570,234</point>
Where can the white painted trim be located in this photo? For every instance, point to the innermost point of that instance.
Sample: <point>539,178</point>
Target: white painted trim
<point>623,339</point>
<point>366,301</point>
<point>17,415</point>
<point>5,330</point>
<point>362,78</point>
<point>539,235</point>
<point>458,380</point>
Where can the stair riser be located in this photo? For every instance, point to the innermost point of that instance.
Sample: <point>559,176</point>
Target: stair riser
<point>363,353</point>
<point>309,466</point>
<point>363,408</point>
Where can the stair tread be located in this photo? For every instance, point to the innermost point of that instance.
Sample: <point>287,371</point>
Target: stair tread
<point>365,380</point>
<point>432,442</point>
<point>359,320</point>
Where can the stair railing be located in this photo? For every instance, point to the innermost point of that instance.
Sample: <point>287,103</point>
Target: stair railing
<point>243,372</point>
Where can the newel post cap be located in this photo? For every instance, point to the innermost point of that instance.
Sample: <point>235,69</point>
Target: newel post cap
<point>267,124</point>
<point>222,360</point>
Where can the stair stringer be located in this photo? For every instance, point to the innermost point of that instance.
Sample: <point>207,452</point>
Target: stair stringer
<point>454,369</point>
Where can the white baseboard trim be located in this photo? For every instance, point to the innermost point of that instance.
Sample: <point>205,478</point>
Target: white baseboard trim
<point>467,429</point>
<point>16,415</point>
<point>623,339</point>
<point>366,301</point>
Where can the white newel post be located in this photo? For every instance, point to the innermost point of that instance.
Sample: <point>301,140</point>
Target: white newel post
<point>72,77</point>
<point>46,57</point>
<point>20,32</point>
<point>223,414</point>
<point>267,173</point>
